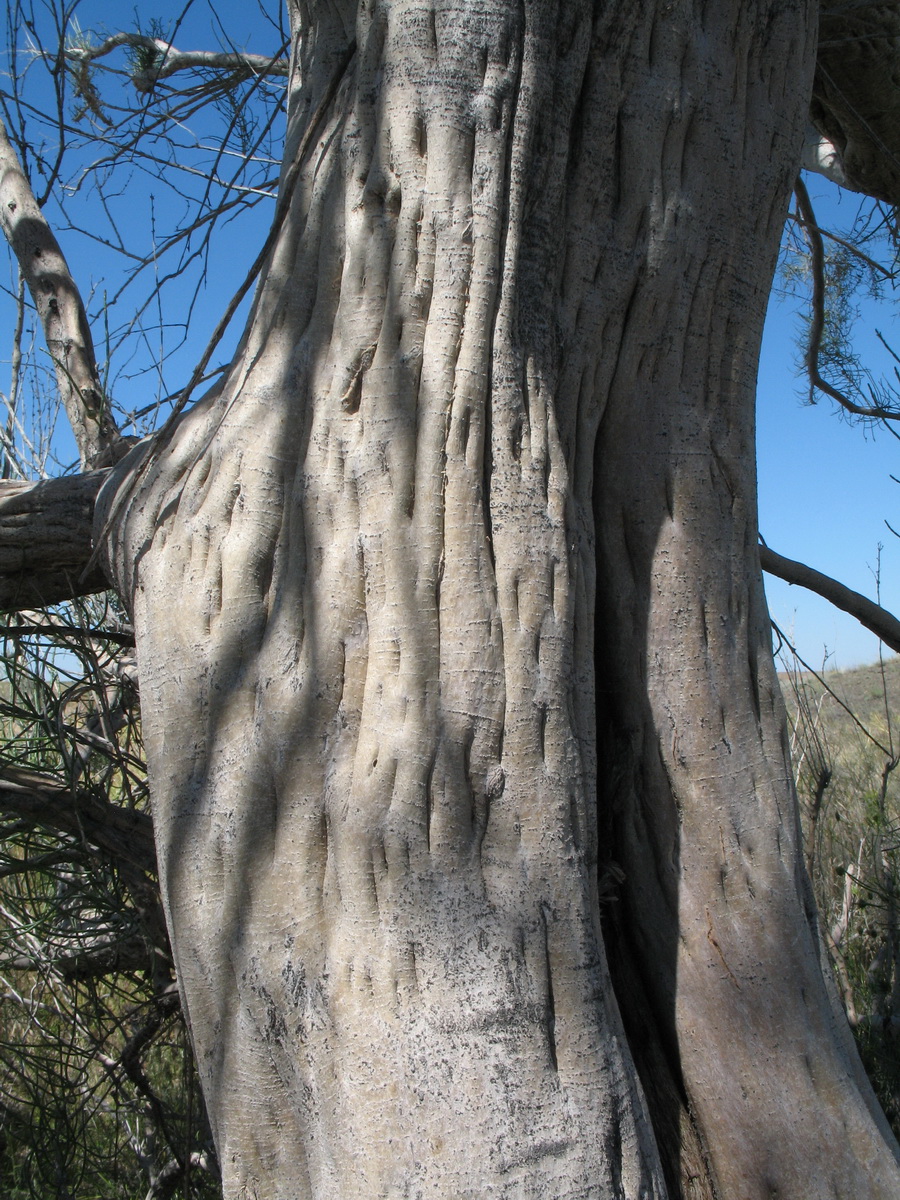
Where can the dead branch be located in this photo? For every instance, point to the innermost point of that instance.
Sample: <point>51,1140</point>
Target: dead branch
<point>875,618</point>
<point>60,308</point>
<point>158,59</point>
<point>45,541</point>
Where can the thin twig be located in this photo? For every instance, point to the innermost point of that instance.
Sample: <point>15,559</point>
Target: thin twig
<point>817,318</point>
<point>830,690</point>
<point>162,436</point>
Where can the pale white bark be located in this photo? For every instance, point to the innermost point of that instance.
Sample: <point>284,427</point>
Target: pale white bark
<point>487,443</point>
<point>822,157</point>
<point>61,312</point>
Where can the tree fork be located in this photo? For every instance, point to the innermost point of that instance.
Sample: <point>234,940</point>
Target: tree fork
<point>486,450</point>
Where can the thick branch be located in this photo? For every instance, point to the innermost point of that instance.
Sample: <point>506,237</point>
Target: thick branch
<point>61,311</point>
<point>158,59</point>
<point>122,834</point>
<point>111,956</point>
<point>856,102</point>
<point>875,618</point>
<point>45,541</point>
<point>119,835</point>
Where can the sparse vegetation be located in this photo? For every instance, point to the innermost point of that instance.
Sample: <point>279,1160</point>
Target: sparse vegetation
<point>846,751</point>
<point>98,1097</point>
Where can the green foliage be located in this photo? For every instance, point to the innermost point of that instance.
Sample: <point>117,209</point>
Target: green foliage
<point>834,272</point>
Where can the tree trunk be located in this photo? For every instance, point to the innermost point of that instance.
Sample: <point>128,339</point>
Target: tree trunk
<point>487,449</point>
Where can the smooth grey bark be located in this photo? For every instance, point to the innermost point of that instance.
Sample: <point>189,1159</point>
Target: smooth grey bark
<point>474,507</point>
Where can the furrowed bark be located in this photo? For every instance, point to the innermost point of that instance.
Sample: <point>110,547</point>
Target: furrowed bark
<point>716,938</point>
<point>46,532</point>
<point>856,102</point>
<point>429,1006</point>
<point>486,449</point>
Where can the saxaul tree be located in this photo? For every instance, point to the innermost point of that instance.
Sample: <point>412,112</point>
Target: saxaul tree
<point>449,620</point>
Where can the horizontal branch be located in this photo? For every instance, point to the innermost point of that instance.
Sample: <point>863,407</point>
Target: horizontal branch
<point>875,618</point>
<point>45,541</point>
<point>122,834</point>
<point>90,960</point>
<point>157,59</point>
<point>118,835</point>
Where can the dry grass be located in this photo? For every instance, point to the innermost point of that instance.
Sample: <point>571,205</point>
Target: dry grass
<point>846,749</point>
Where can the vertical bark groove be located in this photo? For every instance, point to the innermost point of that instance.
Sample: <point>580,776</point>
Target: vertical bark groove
<point>485,451</point>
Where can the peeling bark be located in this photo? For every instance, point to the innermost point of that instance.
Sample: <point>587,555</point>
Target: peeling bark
<point>485,455</point>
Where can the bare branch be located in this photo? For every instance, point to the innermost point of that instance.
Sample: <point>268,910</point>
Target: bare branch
<point>7,436</point>
<point>119,835</point>
<point>61,311</point>
<point>160,59</point>
<point>875,618</point>
<point>807,219</point>
<point>123,834</point>
<point>45,541</point>
<point>109,956</point>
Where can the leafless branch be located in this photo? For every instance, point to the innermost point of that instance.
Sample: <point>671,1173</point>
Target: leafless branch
<point>10,461</point>
<point>807,219</point>
<point>90,961</point>
<point>875,618</point>
<point>159,59</point>
<point>785,641</point>
<point>61,311</point>
<point>45,541</point>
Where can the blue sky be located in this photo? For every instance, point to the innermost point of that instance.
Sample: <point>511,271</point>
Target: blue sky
<point>825,487</point>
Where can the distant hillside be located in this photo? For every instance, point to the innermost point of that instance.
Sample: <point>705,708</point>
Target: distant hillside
<point>872,695</point>
<point>845,743</point>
